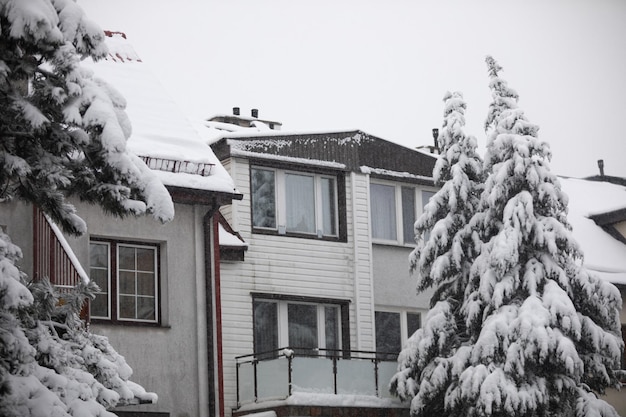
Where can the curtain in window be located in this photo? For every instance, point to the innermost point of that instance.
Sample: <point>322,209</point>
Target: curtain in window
<point>265,328</point>
<point>328,206</point>
<point>99,269</point>
<point>300,196</point>
<point>408,214</point>
<point>331,330</point>
<point>263,198</point>
<point>302,326</point>
<point>383,211</point>
<point>388,337</point>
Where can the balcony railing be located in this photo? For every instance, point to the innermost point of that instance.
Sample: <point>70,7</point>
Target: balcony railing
<point>278,374</point>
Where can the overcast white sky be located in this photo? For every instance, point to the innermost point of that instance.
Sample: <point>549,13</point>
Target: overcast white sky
<point>384,66</point>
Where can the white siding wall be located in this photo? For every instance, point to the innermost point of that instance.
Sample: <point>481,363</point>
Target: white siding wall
<point>294,266</point>
<point>364,292</point>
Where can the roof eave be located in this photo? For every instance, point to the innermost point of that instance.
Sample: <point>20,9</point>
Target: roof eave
<point>184,195</point>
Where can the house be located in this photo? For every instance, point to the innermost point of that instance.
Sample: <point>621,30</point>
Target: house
<point>597,212</point>
<point>322,301</point>
<point>157,300</point>
<point>314,313</point>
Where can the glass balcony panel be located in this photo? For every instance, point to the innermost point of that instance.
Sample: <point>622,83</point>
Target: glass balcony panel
<point>356,377</point>
<point>273,379</point>
<point>386,371</point>
<point>246,383</point>
<point>312,375</point>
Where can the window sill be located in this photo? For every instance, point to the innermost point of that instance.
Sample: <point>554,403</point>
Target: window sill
<point>100,322</point>
<point>268,232</point>
<point>393,243</point>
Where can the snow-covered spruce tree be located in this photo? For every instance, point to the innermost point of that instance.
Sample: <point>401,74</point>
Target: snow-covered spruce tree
<point>62,134</point>
<point>544,335</point>
<point>442,259</point>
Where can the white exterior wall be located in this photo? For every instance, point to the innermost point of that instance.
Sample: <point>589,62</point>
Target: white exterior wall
<point>294,266</point>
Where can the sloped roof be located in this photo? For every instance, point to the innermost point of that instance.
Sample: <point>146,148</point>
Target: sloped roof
<point>355,151</point>
<point>161,135</point>
<point>604,254</point>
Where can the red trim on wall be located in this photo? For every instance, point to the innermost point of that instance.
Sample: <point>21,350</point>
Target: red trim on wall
<point>218,313</point>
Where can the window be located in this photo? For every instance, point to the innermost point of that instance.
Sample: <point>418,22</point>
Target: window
<point>302,326</point>
<point>290,202</point>
<point>392,331</point>
<point>394,210</point>
<point>127,275</point>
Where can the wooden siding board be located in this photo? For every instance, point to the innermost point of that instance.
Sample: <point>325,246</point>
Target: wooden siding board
<point>295,266</point>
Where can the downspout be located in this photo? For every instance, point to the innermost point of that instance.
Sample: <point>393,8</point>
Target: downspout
<point>208,273</point>
<point>218,314</point>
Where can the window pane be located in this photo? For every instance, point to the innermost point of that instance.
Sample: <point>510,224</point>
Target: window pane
<point>383,211</point>
<point>127,307</point>
<point>408,214</point>
<point>413,323</point>
<point>126,283</point>
<point>126,257</point>
<point>300,200</point>
<point>145,284</point>
<point>426,196</point>
<point>263,198</point>
<point>101,278</point>
<point>99,255</point>
<point>331,317</point>
<point>329,208</point>
<point>145,308</point>
<point>99,306</point>
<point>388,337</point>
<point>265,327</point>
<point>145,259</point>
<point>99,273</point>
<point>302,323</point>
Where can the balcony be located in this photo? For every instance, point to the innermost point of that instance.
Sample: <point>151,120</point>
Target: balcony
<point>308,382</point>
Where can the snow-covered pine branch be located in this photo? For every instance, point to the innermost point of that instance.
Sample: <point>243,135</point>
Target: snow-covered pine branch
<point>63,132</point>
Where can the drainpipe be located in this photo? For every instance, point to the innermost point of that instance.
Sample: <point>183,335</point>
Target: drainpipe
<point>212,275</point>
<point>218,314</point>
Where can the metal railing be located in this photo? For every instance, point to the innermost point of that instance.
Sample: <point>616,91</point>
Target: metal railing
<point>277,374</point>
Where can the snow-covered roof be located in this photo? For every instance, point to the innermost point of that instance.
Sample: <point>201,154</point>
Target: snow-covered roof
<point>229,239</point>
<point>604,255</point>
<point>161,135</point>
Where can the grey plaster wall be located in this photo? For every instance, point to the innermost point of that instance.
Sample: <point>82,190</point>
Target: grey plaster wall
<point>16,218</point>
<point>169,359</point>
<point>393,284</point>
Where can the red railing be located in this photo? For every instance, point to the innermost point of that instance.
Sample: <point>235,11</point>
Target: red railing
<point>53,258</point>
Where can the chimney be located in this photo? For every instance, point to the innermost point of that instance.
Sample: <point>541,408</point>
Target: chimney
<point>255,113</point>
<point>236,111</point>
<point>436,138</point>
<point>601,166</point>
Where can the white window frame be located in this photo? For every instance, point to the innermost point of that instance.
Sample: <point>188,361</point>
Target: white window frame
<point>404,328</point>
<point>283,321</point>
<point>110,298</point>
<point>418,209</point>
<point>280,194</point>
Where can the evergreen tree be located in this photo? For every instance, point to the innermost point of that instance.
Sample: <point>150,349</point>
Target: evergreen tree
<point>540,336</point>
<point>442,259</point>
<point>62,134</point>
<point>544,334</point>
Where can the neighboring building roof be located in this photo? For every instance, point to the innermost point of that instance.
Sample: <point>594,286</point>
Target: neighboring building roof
<point>355,151</point>
<point>161,135</point>
<point>590,200</point>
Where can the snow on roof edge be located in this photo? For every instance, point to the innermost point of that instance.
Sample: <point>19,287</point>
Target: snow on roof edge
<point>313,162</point>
